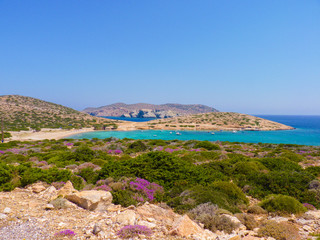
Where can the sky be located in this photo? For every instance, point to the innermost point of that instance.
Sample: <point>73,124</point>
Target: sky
<point>255,57</point>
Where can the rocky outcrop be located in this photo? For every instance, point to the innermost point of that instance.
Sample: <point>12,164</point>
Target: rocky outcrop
<point>92,200</point>
<point>25,213</point>
<point>143,110</point>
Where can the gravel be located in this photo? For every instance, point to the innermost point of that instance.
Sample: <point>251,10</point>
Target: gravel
<point>28,230</point>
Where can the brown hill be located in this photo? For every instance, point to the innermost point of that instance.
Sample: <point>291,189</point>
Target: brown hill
<point>211,121</point>
<point>142,110</point>
<point>22,113</point>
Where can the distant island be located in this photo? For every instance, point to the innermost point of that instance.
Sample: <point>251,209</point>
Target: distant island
<point>40,119</point>
<point>145,110</point>
<point>227,121</point>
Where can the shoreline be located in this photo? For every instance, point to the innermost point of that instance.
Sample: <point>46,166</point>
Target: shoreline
<point>47,133</point>
<point>62,133</point>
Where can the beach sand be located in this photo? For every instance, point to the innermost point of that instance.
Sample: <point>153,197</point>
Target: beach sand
<point>46,134</point>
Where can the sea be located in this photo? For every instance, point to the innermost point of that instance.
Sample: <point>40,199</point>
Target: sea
<point>306,132</point>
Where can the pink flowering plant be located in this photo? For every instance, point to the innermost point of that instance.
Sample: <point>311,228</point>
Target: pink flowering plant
<point>132,231</point>
<point>65,233</point>
<point>144,190</point>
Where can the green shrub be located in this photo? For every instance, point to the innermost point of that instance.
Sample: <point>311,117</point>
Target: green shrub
<point>137,146</point>
<point>207,145</point>
<point>279,230</point>
<point>282,204</point>
<point>5,173</point>
<point>89,175</point>
<point>232,190</point>
<point>229,199</point>
<point>256,209</point>
<point>247,220</point>
<point>123,197</point>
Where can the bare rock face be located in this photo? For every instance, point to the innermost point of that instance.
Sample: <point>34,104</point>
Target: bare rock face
<point>91,200</point>
<point>184,227</point>
<point>147,210</point>
<point>127,217</point>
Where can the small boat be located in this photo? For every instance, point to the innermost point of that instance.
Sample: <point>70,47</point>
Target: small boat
<point>234,131</point>
<point>154,135</point>
<point>170,132</point>
<point>212,133</point>
<point>178,133</point>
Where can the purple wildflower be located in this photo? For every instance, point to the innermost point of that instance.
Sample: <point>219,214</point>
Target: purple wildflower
<point>66,232</point>
<point>1,151</point>
<point>146,188</point>
<point>309,206</point>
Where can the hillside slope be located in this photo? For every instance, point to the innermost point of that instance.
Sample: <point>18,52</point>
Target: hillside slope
<point>22,113</point>
<point>212,121</point>
<point>142,110</point>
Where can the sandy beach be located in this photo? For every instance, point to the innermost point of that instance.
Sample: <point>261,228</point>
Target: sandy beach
<point>46,134</point>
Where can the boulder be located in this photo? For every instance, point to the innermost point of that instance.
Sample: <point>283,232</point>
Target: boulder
<point>185,227</point>
<point>127,217</point>
<point>92,200</point>
<point>37,187</point>
<point>49,193</point>
<point>67,189</point>
<point>166,216</point>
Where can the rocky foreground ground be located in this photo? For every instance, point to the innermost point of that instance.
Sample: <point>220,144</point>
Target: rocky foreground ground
<point>42,212</point>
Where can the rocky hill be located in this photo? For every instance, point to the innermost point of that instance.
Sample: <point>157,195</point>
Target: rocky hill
<point>22,113</point>
<point>212,121</point>
<point>144,110</point>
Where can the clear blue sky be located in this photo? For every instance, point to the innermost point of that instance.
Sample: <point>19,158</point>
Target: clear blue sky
<point>244,56</point>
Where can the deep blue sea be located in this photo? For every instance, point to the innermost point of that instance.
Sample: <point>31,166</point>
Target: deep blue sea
<point>307,132</point>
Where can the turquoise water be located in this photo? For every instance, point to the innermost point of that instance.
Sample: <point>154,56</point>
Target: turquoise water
<point>307,132</point>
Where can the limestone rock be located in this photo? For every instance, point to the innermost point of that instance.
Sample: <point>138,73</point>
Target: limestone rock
<point>49,207</point>
<point>37,187</point>
<point>96,229</point>
<point>184,227</point>
<point>49,193</point>
<point>147,210</point>
<point>3,216</point>
<point>6,210</point>
<point>91,200</point>
<point>235,238</point>
<point>127,217</point>
<point>67,189</point>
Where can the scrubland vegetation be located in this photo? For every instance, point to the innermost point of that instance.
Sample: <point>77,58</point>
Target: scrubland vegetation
<point>202,179</point>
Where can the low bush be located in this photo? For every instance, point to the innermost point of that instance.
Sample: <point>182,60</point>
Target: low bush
<point>132,231</point>
<point>279,231</point>
<point>282,204</point>
<point>256,209</point>
<point>247,220</point>
<point>207,145</point>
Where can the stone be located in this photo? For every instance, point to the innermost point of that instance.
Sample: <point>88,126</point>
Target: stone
<point>250,238</point>
<point>235,238</point>
<point>96,229</point>
<point>38,187</point>
<point>6,210</point>
<point>184,227</point>
<point>147,224</point>
<point>167,216</point>
<point>3,216</point>
<point>92,200</point>
<point>67,189</point>
<point>62,203</point>
<point>49,207</point>
<point>127,217</point>
<point>49,193</point>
